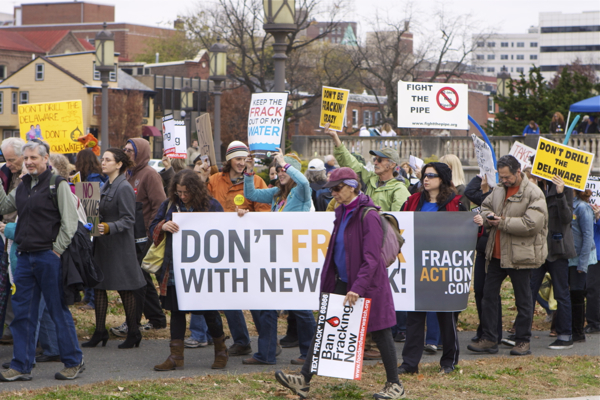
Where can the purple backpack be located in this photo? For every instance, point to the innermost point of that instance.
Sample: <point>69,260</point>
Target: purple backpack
<point>392,239</point>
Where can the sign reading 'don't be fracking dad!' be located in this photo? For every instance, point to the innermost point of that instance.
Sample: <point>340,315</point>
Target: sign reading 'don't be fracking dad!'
<point>333,107</point>
<point>433,105</point>
<point>59,124</point>
<point>572,165</point>
<point>265,122</point>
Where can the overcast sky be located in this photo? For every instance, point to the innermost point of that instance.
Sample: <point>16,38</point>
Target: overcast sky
<point>502,16</point>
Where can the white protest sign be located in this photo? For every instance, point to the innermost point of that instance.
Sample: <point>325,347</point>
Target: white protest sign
<point>174,137</point>
<point>433,105</point>
<point>273,261</point>
<point>340,337</point>
<point>522,154</point>
<point>415,163</point>
<point>265,121</point>
<point>485,160</point>
<point>593,183</point>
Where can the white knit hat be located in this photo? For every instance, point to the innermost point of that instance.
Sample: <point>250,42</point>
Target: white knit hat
<point>236,149</point>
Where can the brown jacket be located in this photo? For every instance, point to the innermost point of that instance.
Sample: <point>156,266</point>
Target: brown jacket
<point>231,196</point>
<point>523,228</point>
<point>145,181</point>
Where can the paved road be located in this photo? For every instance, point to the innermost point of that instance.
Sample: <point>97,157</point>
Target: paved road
<point>112,363</point>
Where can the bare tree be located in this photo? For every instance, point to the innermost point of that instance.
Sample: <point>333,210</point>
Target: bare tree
<point>126,110</point>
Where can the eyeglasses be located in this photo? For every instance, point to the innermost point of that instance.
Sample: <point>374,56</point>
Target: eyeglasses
<point>337,188</point>
<point>379,159</point>
<point>431,175</point>
<point>127,150</point>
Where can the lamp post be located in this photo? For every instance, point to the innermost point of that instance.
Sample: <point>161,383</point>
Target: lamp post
<point>501,80</point>
<point>187,105</point>
<point>218,73</point>
<point>280,21</point>
<point>105,63</point>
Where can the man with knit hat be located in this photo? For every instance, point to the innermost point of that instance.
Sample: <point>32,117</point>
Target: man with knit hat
<point>227,188</point>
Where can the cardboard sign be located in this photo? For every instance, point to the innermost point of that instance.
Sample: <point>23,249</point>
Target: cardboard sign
<point>174,137</point>
<point>593,183</point>
<point>265,121</point>
<point>206,144</point>
<point>340,337</point>
<point>58,124</point>
<point>522,153</point>
<point>89,194</point>
<point>433,105</point>
<point>333,107</point>
<point>571,164</point>
<point>485,160</point>
<point>273,261</point>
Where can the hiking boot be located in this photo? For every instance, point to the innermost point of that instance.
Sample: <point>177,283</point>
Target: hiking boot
<point>11,375</point>
<point>561,344</point>
<point>520,349</point>
<point>71,373</point>
<point>390,391</point>
<point>239,350</point>
<point>120,331</point>
<point>372,355</point>
<point>191,343</point>
<point>296,383</point>
<point>430,348</point>
<point>484,346</point>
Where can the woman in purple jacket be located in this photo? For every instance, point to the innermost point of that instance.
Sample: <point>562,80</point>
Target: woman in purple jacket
<point>353,267</point>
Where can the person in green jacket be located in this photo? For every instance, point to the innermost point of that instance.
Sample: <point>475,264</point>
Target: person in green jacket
<point>386,192</point>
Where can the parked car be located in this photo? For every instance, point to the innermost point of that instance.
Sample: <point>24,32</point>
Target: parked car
<point>156,164</point>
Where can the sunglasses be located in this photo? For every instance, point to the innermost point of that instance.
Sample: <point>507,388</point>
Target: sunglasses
<point>431,175</point>
<point>337,188</point>
<point>379,159</point>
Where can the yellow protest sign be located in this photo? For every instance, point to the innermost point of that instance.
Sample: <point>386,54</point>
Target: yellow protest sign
<point>58,124</point>
<point>333,107</point>
<point>76,178</point>
<point>571,164</point>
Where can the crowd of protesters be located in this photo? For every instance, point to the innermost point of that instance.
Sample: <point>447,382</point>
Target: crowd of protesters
<point>529,229</point>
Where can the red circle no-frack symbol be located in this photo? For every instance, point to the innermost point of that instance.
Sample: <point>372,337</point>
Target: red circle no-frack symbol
<point>447,98</point>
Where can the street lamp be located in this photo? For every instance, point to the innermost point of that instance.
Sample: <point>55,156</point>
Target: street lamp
<point>218,73</point>
<point>501,80</point>
<point>105,63</point>
<point>187,105</point>
<point>280,20</point>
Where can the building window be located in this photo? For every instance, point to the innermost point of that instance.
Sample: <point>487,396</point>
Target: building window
<point>39,72</point>
<point>146,106</point>
<point>520,70</point>
<point>520,44</point>
<point>480,69</point>
<point>480,57</point>
<point>1,102</point>
<point>378,119</point>
<point>23,97</point>
<point>491,122</point>
<point>504,56</point>
<point>367,118</point>
<point>520,57</point>
<point>14,102</point>
<point>532,44</point>
<point>491,69</point>
<point>10,133</point>
<point>533,56</point>
<point>491,57</point>
<point>2,71</point>
<point>491,105</point>
<point>504,44</point>
<point>491,44</point>
<point>355,118</point>
<point>480,44</point>
<point>97,104</point>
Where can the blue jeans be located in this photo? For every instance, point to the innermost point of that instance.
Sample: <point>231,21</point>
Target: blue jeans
<point>46,331</point>
<point>199,328</point>
<point>88,296</point>
<point>400,323</point>
<point>307,326</point>
<point>433,329</point>
<point>39,273</point>
<point>237,327</point>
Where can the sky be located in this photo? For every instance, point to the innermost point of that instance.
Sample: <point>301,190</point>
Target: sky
<point>498,16</point>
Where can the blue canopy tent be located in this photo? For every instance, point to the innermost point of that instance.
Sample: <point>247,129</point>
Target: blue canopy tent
<point>590,105</point>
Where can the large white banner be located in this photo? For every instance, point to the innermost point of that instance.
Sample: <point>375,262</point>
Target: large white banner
<point>273,261</point>
<point>433,105</point>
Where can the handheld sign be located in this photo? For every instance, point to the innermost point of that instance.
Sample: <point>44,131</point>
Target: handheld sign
<point>174,137</point>
<point>340,337</point>
<point>433,105</point>
<point>571,164</point>
<point>89,194</point>
<point>593,183</point>
<point>205,139</point>
<point>333,107</point>
<point>485,160</point>
<point>265,122</point>
<point>59,124</point>
<point>522,154</point>
<point>76,178</point>
<point>415,163</point>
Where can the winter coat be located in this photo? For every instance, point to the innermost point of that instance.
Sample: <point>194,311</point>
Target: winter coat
<point>560,215</point>
<point>95,177</point>
<point>583,236</point>
<point>523,228</point>
<point>367,273</point>
<point>415,203</point>
<point>299,198</point>
<point>473,192</point>
<point>231,196</point>
<point>146,183</point>
<point>115,252</point>
<point>389,197</point>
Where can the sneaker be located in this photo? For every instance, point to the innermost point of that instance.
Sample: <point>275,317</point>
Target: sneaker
<point>11,375</point>
<point>296,383</point>
<point>561,344</point>
<point>509,341</point>
<point>191,343</point>
<point>148,326</point>
<point>446,370</point>
<point>404,371</point>
<point>70,373</point>
<point>484,346</point>
<point>590,329</point>
<point>239,350</point>
<point>430,348</point>
<point>120,331</point>
<point>520,349</point>
<point>288,342</point>
<point>475,339</point>
<point>400,337</point>
<point>390,391</point>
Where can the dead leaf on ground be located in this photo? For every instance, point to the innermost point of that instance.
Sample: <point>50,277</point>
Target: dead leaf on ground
<point>420,377</point>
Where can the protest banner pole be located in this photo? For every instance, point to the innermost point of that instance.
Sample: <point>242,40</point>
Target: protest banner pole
<point>566,141</point>
<point>487,140</point>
